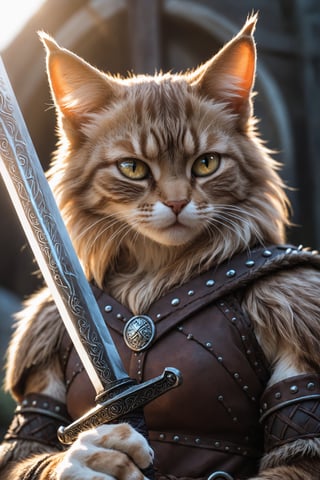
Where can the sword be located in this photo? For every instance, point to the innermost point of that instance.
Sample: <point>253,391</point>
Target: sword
<point>118,396</point>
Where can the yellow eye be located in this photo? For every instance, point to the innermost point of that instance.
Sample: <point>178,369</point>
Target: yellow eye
<point>134,168</point>
<point>206,164</point>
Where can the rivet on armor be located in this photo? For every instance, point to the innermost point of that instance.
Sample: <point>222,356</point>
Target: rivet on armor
<point>294,389</point>
<point>266,253</point>
<point>139,372</point>
<point>220,359</point>
<point>227,448</point>
<point>311,386</point>
<point>245,388</point>
<point>265,406</point>
<point>108,308</point>
<point>217,444</point>
<point>221,304</point>
<point>277,395</point>
<point>249,263</point>
<point>34,403</point>
<point>25,403</point>
<point>227,310</point>
<point>45,405</point>
<point>175,302</point>
<point>220,398</point>
<point>248,352</point>
<point>190,293</point>
<point>208,344</point>
<point>236,376</point>
<point>300,248</point>
<point>57,408</point>
<point>243,338</point>
<point>158,315</point>
<point>233,319</point>
<point>253,399</point>
<point>162,436</point>
<point>197,440</point>
<point>176,438</point>
<point>235,419</point>
<point>289,250</point>
<point>231,273</point>
<point>189,336</point>
<point>210,282</point>
<point>119,316</point>
<point>180,328</point>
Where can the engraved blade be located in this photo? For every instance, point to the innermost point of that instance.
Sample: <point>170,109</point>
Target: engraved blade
<point>52,248</point>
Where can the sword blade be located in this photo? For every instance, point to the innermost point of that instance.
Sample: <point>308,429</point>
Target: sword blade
<point>52,248</point>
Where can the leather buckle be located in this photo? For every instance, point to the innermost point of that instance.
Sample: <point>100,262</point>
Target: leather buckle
<point>220,475</point>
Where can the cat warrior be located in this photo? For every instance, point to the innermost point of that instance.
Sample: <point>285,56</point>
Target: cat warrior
<point>177,213</point>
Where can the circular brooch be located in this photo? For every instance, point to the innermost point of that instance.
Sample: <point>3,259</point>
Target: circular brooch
<point>139,332</point>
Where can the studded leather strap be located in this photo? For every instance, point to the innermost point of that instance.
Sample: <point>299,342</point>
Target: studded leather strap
<point>37,419</point>
<point>291,410</point>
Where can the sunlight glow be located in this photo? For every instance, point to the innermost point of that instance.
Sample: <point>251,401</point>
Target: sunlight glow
<point>13,15</point>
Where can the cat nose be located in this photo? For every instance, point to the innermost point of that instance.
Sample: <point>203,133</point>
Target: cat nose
<point>177,205</point>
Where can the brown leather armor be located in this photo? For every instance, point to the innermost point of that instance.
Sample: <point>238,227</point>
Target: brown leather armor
<point>211,422</point>
<point>209,427</point>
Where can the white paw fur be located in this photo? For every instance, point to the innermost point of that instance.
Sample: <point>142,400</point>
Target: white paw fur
<point>105,453</point>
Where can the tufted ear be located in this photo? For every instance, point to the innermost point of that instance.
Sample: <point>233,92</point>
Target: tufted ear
<point>77,88</point>
<point>229,76</point>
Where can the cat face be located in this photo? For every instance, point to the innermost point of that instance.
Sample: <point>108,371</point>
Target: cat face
<point>170,159</point>
<point>164,171</point>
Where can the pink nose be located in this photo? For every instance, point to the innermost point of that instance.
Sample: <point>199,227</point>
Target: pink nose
<point>177,205</point>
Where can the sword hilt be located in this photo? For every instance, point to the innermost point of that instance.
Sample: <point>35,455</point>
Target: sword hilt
<point>121,405</point>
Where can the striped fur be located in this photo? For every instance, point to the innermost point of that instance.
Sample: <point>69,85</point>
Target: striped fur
<point>133,243</point>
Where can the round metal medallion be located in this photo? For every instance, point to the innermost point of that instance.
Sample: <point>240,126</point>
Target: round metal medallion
<point>139,332</point>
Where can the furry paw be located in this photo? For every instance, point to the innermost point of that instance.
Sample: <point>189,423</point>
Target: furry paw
<point>107,452</point>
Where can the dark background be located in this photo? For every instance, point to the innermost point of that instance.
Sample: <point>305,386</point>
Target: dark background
<point>141,35</point>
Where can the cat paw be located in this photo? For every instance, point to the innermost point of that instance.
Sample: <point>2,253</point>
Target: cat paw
<point>106,452</point>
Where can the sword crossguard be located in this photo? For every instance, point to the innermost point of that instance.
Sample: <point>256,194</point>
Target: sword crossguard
<point>121,405</point>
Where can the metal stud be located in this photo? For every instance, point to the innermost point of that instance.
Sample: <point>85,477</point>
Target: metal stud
<point>231,273</point>
<point>119,316</point>
<point>158,315</point>
<point>236,376</point>
<point>311,386</point>
<point>108,308</point>
<point>294,389</point>
<point>176,438</point>
<point>210,282</point>
<point>266,253</point>
<point>277,395</point>
<point>175,302</point>
<point>208,344</point>
<point>289,250</point>
<point>190,293</point>
<point>250,263</point>
<point>189,336</point>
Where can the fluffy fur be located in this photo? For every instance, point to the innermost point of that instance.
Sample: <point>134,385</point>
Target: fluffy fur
<point>159,178</point>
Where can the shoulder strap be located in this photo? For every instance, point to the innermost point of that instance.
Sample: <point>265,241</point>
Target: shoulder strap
<point>238,272</point>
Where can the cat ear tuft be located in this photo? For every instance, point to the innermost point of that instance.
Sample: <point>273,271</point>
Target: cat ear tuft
<point>77,87</point>
<point>229,76</point>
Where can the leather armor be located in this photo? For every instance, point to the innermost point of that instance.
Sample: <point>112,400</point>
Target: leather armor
<point>218,423</point>
<point>211,422</point>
